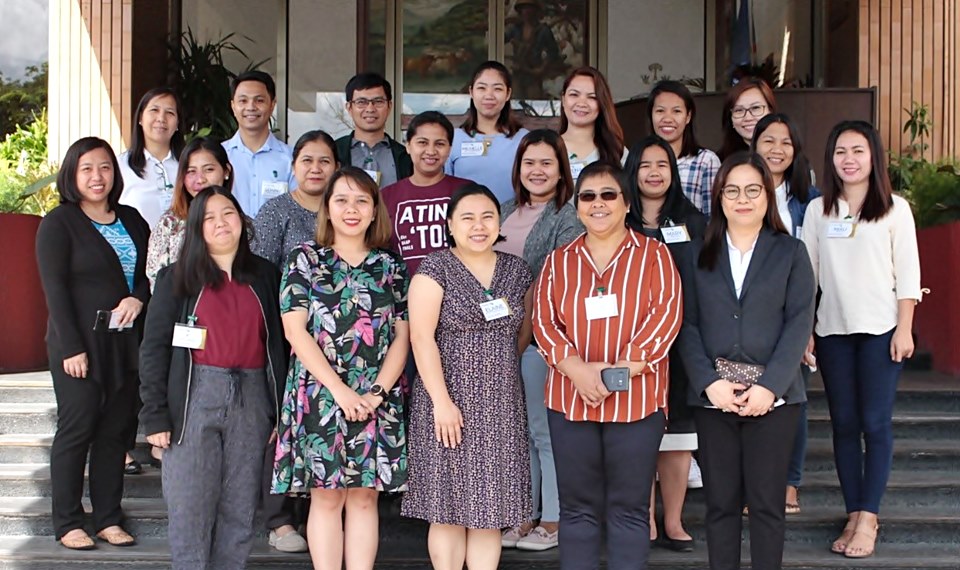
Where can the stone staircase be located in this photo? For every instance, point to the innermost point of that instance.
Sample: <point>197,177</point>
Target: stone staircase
<point>920,521</point>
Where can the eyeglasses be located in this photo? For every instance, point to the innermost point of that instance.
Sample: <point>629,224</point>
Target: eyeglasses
<point>732,192</point>
<point>755,110</point>
<point>590,195</point>
<point>378,103</point>
<point>163,184</point>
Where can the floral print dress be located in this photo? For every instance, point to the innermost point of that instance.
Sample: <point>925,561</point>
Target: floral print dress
<point>351,312</point>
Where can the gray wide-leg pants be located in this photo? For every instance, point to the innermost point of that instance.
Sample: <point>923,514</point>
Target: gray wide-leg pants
<point>211,480</point>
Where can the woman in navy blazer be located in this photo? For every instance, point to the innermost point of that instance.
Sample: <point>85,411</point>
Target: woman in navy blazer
<point>91,253</point>
<point>749,298</point>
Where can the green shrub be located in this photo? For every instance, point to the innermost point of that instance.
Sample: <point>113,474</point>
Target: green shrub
<point>934,193</point>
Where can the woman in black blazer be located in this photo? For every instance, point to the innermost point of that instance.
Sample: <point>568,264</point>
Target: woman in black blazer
<point>749,299</point>
<point>91,253</point>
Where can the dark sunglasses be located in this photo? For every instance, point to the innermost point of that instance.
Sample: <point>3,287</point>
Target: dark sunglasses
<point>606,195</point>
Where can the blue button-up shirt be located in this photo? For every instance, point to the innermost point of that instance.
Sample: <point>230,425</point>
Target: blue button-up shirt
<point>256,175</point>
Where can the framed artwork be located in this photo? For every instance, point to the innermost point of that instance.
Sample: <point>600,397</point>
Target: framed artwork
<point>543,41</point>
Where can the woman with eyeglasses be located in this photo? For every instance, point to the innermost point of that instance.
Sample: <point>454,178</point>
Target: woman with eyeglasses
<point>671,111</point>
<point>747,102</point>
<point>659,210</point>
<point>485,145</point>
<point>608,308</point>
<point>777,140</point>
<point>748,311</point>
<point>588,121</point>
<point>863,243</point>
<point>149,167</point>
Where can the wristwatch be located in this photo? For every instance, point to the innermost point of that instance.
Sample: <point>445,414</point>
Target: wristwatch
<point>377,390</point>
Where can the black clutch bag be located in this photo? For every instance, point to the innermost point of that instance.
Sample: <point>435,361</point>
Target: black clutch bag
<point>746,374</point>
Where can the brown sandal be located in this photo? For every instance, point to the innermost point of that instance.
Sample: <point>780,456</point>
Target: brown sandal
<point>839,545</point>
<point>871,536</point>
<point>117,538</point>
<point>80,542</point>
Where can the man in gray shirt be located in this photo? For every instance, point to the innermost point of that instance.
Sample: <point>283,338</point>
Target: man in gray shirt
<point>369,102</point>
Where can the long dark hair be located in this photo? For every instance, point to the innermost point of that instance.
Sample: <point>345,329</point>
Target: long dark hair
<point>195,269</point>
<point>732,141</point>
<point>564,185</point>
<point>180,204</point>
<point>715,237</point>
<point>607,133</point>
<point>67,175</point>
<point>506,122</point>
<point>675,207</point>
<point>797,174</point>
<point>689,145</point>
<point>879,197</point>
<point>135,158</point>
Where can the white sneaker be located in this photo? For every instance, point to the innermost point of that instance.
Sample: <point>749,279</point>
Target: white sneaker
<point>538,539</point>
<point>694,479</point>
<point>510,537</point>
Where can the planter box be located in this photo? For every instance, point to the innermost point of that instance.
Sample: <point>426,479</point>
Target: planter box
<point>23,310</point>
<point>937,319</point>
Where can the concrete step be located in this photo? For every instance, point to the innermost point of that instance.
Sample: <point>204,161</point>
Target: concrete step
<point>33,553</point>
<point>30,516</point>
<point>909,455</point>
<point>906,425</point>
<point>35,447</point>
<point>16,388</point>
<point>33,480</point>
<point>28,417</point>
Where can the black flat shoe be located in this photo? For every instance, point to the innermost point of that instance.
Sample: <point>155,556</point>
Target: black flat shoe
<point>132,468</point>
<point>675,544</point>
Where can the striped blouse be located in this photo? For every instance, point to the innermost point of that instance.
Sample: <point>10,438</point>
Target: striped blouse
<point>642,275</point>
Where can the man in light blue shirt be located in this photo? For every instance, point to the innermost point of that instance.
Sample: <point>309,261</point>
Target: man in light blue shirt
<point>261,162</point>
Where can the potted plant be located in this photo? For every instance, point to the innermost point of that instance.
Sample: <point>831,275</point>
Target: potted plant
<point>933,189</point>
<point>26,193</point>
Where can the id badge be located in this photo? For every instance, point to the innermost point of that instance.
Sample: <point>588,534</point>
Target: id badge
<point>841,229</point>
<point>166,198</point>
<point>576,168</point>
<point>375,174</point>
<point>473,148</point>
<point>495,309</point>
<point>601,307</point>
<point>189,336</point>
<point>272,189</point>
<point>675,234</point>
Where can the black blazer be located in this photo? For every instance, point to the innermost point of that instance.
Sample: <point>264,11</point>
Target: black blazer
<point>81,274</point>
<point>165,370</point>
<point>769,324</point>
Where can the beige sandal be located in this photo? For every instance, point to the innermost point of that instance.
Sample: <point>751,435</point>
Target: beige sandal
<point>839,545</point>
<point>81,541</point>
<point>117,537</point>
<point>871,537</point>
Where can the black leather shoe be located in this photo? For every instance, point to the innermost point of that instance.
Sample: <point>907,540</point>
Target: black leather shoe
<point>133,468</point>
<point>674,544</point>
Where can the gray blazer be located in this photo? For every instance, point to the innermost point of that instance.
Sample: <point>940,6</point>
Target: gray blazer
<point>551,230</point>
<point>769,324</point>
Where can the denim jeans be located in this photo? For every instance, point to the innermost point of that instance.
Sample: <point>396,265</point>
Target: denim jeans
<point>543,473</point>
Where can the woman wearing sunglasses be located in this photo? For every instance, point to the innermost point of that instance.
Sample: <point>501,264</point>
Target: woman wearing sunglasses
<point>607,311</point>
<point>747,316</point>
<point>747,102</point>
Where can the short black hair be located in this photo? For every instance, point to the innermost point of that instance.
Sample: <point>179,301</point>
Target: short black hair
<point>430,118</point>
<point>367,80</point>
<point>471,189</point>
<point>601,168</point>
<point>67,176</point>
<point>255,75</point>
<point>316,136</point>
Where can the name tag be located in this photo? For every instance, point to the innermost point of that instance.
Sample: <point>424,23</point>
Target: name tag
<point>495,309</point>
<point>375,174</point>
<point>189,336</point>
<point>166,198</point>
<point>841,229</point>
<point>576,168</point>
<point>473,148</point>
<point>601,307</point>
<point>675,234</point>
<point>272,189</point>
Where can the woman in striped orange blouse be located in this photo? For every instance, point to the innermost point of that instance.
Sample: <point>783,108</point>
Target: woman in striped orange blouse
<point>608,307</point>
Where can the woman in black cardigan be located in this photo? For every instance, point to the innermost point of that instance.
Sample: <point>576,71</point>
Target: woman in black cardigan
<point>749,295</point>
<point>91,253</point>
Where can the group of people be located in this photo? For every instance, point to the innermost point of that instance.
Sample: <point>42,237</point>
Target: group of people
<point>525,332</point>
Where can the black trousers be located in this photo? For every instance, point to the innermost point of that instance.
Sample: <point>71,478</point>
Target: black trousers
<point>744,461</point>
<point>604,473</point>
<point>90,419</point>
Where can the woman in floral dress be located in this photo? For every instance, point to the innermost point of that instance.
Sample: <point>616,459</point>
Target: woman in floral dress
<point>341,436</point>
